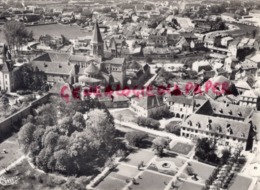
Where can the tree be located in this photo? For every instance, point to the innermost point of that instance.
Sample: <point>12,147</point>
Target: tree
<point>149,59</point>
<point>25,136</point>
<point>225,156</point>
<point>159,143</point>
<point>173,128</point>
<point>135,138</point>
<point>254,33</point>
<point>16,34</point>
<point>205,150</point>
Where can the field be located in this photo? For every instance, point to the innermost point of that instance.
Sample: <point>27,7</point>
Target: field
<point>202,170</point>
<point>182,148</point>
<point>190,186</point>
<point>241,183</point>
<point>13,152</point>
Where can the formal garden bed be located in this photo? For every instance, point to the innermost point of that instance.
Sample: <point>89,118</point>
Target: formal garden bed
<point>151,181</point>
<point>182,148</point>
<point>167,165</point>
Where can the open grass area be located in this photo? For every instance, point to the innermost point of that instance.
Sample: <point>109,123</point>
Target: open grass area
<point>126,115</point>
<point>241,183</point>
<point>13,152</point>
<point>182,148</point>
<point>202,170</point>
<point>117,179</point>
<point>151,181</point>
<point>139,156</point>
<point>29,178</point>
<point>190,186</point>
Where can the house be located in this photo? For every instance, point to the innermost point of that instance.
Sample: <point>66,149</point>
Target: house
<point>228,17</point>
<point>137,74</point>
<point>147,106</point>
<point>242,86</point>
<point>180,106</point>
<point>227,123</point>
<point>255,13</point>
<point>249,98</point>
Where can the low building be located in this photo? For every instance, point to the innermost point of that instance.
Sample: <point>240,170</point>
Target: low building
<point>180,106</point>
<point>249,98</point>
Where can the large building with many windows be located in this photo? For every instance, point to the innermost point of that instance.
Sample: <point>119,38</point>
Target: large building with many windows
<point>229,124</point>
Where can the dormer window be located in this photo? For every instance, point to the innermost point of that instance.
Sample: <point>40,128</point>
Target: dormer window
<point>45,65</point>
<point>230,131</point>
<point>209,126</point>
<point>228,125</point>
<point>190,123</point>
<point>198,125</point>
<point>230,112</point>
<point>239,114</point>
<point>243,135</point>
<point>221,110</point>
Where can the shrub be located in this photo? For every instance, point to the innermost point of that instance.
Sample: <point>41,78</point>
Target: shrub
<point>148,122</point>
<point>135,138</point>
<point>174,128</point>
<point>190,170</point>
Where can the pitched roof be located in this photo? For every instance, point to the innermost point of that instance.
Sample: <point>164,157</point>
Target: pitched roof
<point>180,100</point>
<point>96,38</point>
<point>149,102</point>
<point>91,68</point>
<point>116,60</point>
<point>219,125</point>
<point>54,67</point>
<point>6,67</point>
<point>53,57</point>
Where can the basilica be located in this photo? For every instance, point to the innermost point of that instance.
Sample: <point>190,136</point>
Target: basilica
<point>94,68</point>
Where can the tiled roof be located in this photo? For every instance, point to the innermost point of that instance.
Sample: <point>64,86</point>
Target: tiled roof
<point>53,57</point>
<point>91,68</point>
<point>96,38</point>
<point>218,125</point>
<point>116,60</point>
<point>54,67</point>
<point>149,102</point>
<point>180,100</point>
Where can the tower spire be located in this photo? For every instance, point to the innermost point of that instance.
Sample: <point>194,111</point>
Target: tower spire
<point>97,41</point>
<point>97,38</point>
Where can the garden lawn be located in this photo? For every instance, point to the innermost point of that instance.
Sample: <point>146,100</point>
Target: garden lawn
<point>117,178</point>
<point>127,115</point>
<point>151,181</point>
<point>110,183</point>
<point>139,156</point>
<point>202,170</point>
<point>241,183</point>
<point>190,186</point>
<point>182,148</point>
<point>13,152</point>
